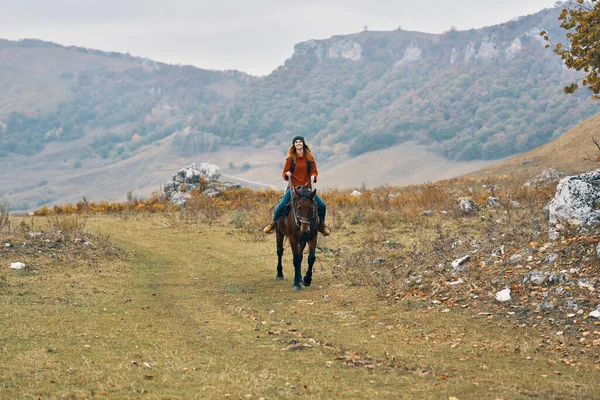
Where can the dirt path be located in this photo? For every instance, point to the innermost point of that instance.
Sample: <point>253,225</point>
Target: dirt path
<point>213,307</point>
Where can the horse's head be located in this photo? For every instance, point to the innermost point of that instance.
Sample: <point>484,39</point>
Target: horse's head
<point>305,208</point>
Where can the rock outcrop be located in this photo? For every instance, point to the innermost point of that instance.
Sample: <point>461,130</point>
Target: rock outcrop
<point>335,48</point>
<point>204,178</point>
<point>576,200</point>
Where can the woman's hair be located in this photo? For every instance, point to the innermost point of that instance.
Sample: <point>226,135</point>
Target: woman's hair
<point>307,153</point>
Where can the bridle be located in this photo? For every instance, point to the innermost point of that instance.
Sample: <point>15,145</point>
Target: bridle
<point>298,219</point>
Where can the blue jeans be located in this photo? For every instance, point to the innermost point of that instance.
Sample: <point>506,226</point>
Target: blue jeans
<point>321,207</point>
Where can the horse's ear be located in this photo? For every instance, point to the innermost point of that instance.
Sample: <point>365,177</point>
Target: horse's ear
<point>313,193</point>
<point>298,192</point>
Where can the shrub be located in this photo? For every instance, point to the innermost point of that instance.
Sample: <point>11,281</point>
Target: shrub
<point>239,218</point>
<point>5,226</point>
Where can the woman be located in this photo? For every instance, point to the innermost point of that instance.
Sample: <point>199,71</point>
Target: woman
<point>300,166</point>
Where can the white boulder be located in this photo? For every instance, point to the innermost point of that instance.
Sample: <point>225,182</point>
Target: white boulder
<point>17,265</point>
<point>576,200</point>
<point>503,295</point>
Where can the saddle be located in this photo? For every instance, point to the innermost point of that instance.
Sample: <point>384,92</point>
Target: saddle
<point>304,192</point>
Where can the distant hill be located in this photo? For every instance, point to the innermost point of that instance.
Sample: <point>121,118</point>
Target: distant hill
<point>118,103</point>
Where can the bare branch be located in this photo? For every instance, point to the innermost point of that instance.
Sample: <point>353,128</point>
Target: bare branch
<point>590,158</point>
<point>595,142</point>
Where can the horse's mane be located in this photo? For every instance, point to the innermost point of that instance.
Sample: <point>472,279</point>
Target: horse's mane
<point>305,192</point>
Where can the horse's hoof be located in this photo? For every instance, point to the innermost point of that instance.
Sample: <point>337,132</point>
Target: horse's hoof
<point>296,288</point>
<point>279,277</point>
<point>307,281</point>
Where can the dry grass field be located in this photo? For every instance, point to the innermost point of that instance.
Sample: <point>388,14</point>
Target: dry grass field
<point>149,302</point>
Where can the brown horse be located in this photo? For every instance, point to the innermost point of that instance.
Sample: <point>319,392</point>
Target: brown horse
<point>300,226</point>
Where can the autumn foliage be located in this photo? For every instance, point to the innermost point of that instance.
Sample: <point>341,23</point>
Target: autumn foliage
<point>582,24</point>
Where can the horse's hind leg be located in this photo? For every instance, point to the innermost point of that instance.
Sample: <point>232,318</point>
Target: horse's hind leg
<point>280,237</point>
<point>311,260</point>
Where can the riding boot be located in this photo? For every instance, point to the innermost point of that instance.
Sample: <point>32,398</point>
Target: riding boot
<point>269,228</point>
<point>324,229</point>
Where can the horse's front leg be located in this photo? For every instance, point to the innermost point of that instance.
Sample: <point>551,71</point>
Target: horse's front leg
<point>312,244</point>
<point>280,237</point>
<point>297,250</point>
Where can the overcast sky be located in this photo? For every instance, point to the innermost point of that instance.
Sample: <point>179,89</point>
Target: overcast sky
<point>253,36</point>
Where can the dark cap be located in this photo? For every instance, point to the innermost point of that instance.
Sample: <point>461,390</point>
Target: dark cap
<point>298,138</point>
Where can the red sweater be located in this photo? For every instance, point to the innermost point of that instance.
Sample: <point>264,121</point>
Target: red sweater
<point>300,174</point>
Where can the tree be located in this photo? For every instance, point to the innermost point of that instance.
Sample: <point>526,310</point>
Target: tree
<point>582,23</point>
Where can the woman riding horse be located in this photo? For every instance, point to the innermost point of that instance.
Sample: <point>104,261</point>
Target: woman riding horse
<point>301,167</point>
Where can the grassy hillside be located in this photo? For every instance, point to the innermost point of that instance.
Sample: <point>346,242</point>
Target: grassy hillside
<point>570,154</point>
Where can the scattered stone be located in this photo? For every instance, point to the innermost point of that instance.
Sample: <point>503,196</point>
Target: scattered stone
<point>553,234</point>
<point>180,198</point>
<point>515,258</point>
<point>550,258</point>
<point>584,283</point>
<point>545,306</point>
<point>595,314</point>
<point>572,305</point>
<point>355,193</point>
<point>17,265</point>
<point>556,278</point>
<point>427,213</point>
<point>549,175</point>
<point>211,192</point>
<point>456,264</point>
<point>503,295</point>
<point>467,205</point>
<point>498,252</point>
<point>456,243</point>
<point>534,278</point>
<point>492,201</point>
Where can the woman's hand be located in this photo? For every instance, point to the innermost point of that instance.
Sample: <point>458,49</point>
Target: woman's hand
<point>288,174</point>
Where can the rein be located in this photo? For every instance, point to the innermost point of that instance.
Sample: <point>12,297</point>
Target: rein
<point>297,220</point>
<point>293,198</point>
